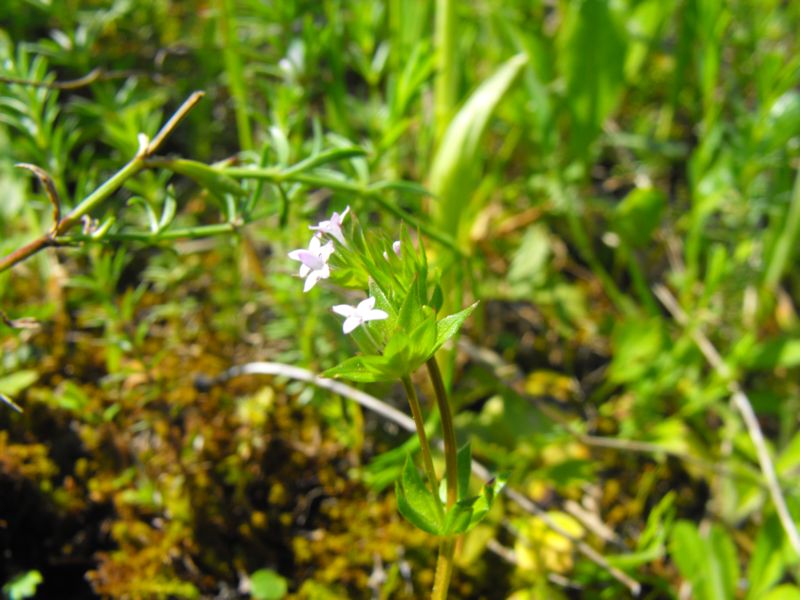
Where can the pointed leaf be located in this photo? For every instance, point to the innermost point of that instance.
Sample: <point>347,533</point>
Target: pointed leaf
<point>484,502</point>
<point>416,502</point>
<point>364,369</point>
<point>325,157</point>
<point>168,211</point>
<point>212,179</point>
<point>459,517</point>
<point>450,325</point>
<point>459,157</point>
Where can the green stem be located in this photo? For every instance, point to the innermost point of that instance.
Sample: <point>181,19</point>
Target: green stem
<point>100,194</point>
<point>233,69</point>
<point>199,231</point>
<point>427,459</point>
<point>275,176</point>
<point>136,164</point>
<point>445,85</point>
<point>448,431</point>
<point>444,568</point>
<point>444,564</point>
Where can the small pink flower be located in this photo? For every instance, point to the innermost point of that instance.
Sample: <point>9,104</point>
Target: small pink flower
<point>358,315</point>
<point>315,261</point>
<point>332,226</point>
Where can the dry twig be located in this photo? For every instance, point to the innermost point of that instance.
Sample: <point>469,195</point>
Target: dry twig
<point>742,403</point>
<point>405,422</point>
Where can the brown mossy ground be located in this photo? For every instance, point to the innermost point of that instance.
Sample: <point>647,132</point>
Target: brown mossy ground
<point>138,484</point>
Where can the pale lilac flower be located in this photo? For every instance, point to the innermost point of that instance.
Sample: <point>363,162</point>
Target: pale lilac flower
<point>358,315</point>
<point>315,261</point>
<point>395,247</point>
<point>332,226</point>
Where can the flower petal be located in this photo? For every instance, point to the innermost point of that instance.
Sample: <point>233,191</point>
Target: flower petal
<point>344,309</point>
<point>366,305</point>
<point>375,315</point>
<point>311,280</point>
<point>350,323</point>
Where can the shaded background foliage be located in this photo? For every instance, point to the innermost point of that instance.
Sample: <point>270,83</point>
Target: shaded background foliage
<point>629,144</point>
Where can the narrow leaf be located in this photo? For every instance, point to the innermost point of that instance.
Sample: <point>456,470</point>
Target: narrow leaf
<point>450,325</point>
<point>416,502</point>
<point>208,177</point>
<point>457,161</point>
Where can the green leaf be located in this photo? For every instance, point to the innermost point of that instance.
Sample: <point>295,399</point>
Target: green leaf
<point>364,369</point>
<point>783,592</point>
<point>416,502</point>
<point>437,298</point>
<point>449,326</point>
<point>468,512</point>
<point>464,469</point>
<point>529,265</point>
<point>767,561</point>
<point>152,219</point>
<point>592,58</point>
<point>204,175</point>
<point>726,564</point>
<point>456,165</point>
<point>422,340</point>
<point>638,215</point>
<point>486,498</point>
<point>168,211</point>
<point>776,352</point>
<point>16,382</point>
<point>323,158</point>
<point>459,517</point>
<point>266,584</point>
<point>411,309</point>
<point>708,563</point>
<point>23,585</point>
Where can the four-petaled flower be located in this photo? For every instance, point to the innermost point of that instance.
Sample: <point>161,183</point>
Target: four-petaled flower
<point>315,262</point>
<point>332,226</point>
<point>357,315</point>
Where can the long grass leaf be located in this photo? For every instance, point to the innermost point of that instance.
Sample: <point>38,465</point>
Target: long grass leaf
<point>454,171</point>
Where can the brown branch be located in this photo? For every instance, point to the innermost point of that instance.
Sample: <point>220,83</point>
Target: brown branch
<point>50,190</point>
<point>26,251</point>
<point>136,164</point>
<point>97,74</point>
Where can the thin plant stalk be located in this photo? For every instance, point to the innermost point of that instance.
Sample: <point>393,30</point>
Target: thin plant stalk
<point>448,430</point>
<point>233,69</point>
<point>136,164</point>
<point>446,83</point>
<point>444,563</point>
<point>425,447</point>
<point>444,568</point>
